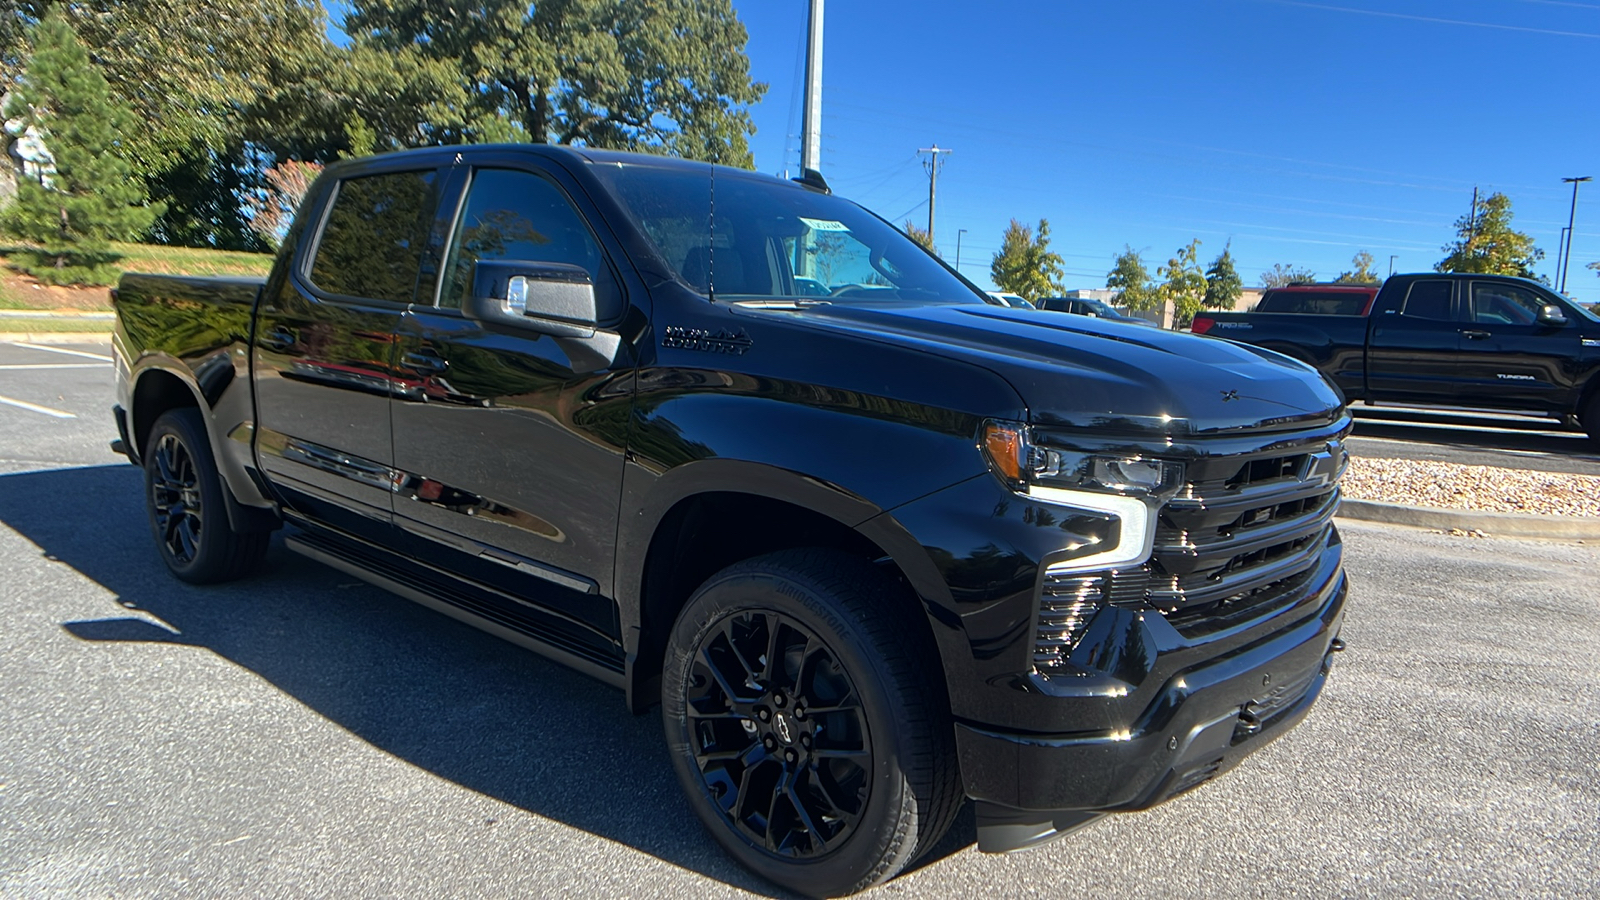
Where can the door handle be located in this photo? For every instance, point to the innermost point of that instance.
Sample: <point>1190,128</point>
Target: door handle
<point>280,339</point>
<point>425,362</point>
<point>1476,335</point>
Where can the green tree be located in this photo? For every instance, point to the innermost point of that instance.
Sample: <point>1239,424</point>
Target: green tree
<point>920,236</point>
<point>1185,282</point>
<point>1130,278</point>
<point>1025,265</point>
<point>1280,275</point>
<point>666,75</point>
<point>91,198</point>
<point>1486,244</point>
<point>1360,271</point>
<point>1224,287</point>
<point>215,100</point>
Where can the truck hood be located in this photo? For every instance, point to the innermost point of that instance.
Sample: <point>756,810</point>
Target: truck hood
<point>1084,372</point>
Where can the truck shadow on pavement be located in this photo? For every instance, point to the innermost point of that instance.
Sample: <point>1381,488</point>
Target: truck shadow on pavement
<point>433,692</point>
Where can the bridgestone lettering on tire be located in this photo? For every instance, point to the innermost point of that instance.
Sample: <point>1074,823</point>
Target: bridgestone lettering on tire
<point>188,512</point>
<point>806,724</point>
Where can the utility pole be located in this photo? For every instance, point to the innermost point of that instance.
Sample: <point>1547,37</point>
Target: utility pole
<point>1472,221</point>
<point>811,138</point>
<point>959,233</point>
<point>1566,259</point>
<point>933,164</point>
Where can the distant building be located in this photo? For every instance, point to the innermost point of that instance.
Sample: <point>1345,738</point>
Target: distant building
<point>1248,298</point>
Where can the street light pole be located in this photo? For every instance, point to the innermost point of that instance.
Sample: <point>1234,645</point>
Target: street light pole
<point>1392,258</point>
<point>959,233</point>
<point>811,130</point>
<point>1566,259</point>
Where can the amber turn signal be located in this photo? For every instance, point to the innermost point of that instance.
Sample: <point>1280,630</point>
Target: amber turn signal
<point>1004,444</point>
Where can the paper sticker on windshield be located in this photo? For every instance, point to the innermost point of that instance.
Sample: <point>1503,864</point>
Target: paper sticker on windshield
<point>824,224</point>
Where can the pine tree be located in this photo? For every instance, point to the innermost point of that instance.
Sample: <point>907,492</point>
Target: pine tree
<point>92,198</point>
<point>1224,287</point>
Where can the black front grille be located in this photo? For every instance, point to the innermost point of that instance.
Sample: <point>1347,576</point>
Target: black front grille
<point>1237,544</point>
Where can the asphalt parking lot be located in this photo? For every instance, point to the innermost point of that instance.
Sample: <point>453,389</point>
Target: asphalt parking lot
<point>303,734</point>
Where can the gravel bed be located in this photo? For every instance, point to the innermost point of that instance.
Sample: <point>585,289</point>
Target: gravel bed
<point>1416,482</point>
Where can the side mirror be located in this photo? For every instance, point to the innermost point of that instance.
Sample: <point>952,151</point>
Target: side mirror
<point>550,298</point>
<point>1552,315</point>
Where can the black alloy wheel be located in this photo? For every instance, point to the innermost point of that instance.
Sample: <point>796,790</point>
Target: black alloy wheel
<point>175,501</point>
<point>806,717</point>
<point>188,509</point>
<point>778,734</point>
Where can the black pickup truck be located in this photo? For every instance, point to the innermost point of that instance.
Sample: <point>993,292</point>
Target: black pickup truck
<point>872,553</point>
<point>1481,342</point>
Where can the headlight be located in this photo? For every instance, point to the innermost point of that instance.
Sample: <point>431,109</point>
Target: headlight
<point>1022,465</point>
<point>1129,488</point>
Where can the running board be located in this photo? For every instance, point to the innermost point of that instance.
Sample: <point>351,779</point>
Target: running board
<point>523,636</point>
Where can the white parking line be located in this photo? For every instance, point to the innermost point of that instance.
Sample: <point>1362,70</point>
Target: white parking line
<point>13,366</point>
<point>34,407</point>
<point>61,350</point>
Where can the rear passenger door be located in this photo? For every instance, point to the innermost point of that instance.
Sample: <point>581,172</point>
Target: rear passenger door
<point>324,358</point>
<point>512,452</point>
<point>1414,348</point>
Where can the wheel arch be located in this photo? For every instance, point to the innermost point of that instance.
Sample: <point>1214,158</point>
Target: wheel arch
<point>158,388</point>
<point>729,511</point>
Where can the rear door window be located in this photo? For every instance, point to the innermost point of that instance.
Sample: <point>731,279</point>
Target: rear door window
<point>372,241</point>
<point>1428,300</point>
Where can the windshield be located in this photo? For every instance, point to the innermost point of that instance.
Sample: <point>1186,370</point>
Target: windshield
<point>772,239</point>
<point>1101,310</point>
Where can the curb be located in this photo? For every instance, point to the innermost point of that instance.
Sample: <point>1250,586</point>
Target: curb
<point>1491,523</point>
<point>56,337</point>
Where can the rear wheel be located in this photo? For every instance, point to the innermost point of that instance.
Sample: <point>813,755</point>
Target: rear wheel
<point>1591,419</point>
<point>188,512</point>
<point>807,727</point>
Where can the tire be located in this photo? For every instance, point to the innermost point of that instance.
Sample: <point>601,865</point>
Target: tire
<point>826,800</point>
<point>1591,419</point>
<point>188,511</point>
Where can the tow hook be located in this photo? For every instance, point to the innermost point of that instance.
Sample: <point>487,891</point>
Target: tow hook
<point>1336,645</point>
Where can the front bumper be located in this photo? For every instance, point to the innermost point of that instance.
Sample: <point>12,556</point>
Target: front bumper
<point>1202,722</point>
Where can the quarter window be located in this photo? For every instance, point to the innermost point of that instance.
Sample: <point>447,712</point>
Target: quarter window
<point>371,246</point>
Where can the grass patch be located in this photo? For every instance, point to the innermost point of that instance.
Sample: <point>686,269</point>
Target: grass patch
<point>163,260</point>
<point>190,261</point>
<point>8,298</point>
<point>55,326</point>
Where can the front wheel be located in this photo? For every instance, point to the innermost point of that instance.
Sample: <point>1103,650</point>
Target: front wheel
<point>188,512</point>
<point>808,728</point>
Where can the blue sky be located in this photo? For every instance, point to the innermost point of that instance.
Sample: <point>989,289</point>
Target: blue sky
<point>1301,131</point>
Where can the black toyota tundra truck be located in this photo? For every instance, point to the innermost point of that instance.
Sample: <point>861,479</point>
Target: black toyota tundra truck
<point>872,553</point>
<point>1480,342</point>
